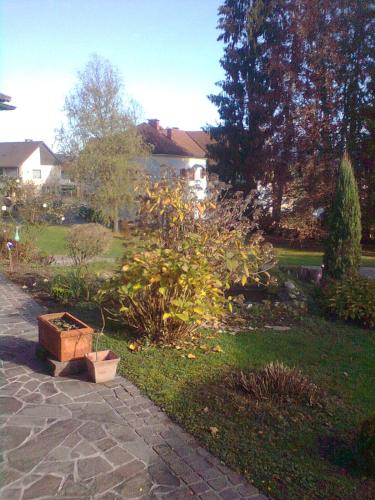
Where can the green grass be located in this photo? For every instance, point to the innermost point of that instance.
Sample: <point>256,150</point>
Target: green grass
<point>292,452</point>
<point>52,241</point>
<point>296,257</point>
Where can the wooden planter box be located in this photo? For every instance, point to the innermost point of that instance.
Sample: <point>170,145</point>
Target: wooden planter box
<point>64,345</point>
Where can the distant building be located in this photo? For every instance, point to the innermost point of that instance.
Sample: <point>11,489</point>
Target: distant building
<point>177,152</point>
<point>4,106</point>
<point>30,161</point>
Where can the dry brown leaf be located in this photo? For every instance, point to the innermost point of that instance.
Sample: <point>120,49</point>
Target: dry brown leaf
<point>217,348</point>
<point>191,356</point>
<point>214,431</point>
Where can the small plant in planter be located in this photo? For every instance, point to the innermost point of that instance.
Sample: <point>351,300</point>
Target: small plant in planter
<point>101,365</point>
<point>64,336</point>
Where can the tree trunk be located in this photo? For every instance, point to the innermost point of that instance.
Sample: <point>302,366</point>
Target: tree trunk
<point>115,224</point>
<point>115,219</point>
<point>277,196</point>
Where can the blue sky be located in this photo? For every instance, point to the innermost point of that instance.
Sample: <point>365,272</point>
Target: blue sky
<point>166,51</point>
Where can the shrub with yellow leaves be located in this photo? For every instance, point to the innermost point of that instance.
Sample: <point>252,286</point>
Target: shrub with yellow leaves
<point>197,249</point>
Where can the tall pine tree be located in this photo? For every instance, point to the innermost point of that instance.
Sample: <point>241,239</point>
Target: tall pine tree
<point>342,255</point>
<point>296,94</point>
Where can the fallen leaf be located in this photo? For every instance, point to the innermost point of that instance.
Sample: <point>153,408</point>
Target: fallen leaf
<point>178,347</point>
<point>278,328</point>
<point>214,431</point>
<point>205,410</point>
<point>204,347</point>
<point>132,346</point>
<point>191,356</point>
<point>217,348</point>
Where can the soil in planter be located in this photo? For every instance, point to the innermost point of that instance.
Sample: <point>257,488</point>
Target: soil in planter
<point>64,324</point>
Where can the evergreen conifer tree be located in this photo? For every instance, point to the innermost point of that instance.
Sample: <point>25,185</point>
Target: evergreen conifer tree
<point>342,255</point>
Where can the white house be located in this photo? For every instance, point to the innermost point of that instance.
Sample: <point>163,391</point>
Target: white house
<point>177,152</point>
<point>30,161</point>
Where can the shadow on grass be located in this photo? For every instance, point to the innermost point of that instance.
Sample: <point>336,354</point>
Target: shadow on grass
<point>290,450</point>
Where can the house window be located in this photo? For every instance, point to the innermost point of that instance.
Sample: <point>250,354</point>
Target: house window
<point>37,174</point>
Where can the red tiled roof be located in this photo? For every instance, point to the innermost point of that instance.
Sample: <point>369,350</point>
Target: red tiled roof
<point>201,137</point>
<point>174,141</point>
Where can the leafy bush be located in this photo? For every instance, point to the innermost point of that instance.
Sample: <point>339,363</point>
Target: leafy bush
<point>72,286</point>
<point>86,241</point>
<point>194,251</point>
<point>367,443</point>
<point>166,294</point>
<point>353,298</point>
<point>277,382</point>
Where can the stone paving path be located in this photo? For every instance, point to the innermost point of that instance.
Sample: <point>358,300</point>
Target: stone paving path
<point>70,438</point>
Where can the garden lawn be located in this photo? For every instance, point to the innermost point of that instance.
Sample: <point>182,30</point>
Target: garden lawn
<point>52,241</point>
<point>290,452</point>
<point>296,257</point>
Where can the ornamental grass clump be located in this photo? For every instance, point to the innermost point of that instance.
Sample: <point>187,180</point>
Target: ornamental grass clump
<point>277,382</point>
<point>195,250</point>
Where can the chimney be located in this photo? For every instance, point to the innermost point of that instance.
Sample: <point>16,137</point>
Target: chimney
<point>170,132</point>
<point>154,123</point>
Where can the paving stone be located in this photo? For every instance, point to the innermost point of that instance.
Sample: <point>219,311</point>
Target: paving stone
<point>57,468</point>
<point>162,475</point>
<point>135,487</point>
<point>48,389</point>
<point>218,483</point>
<point>74,388</point>
<point>30,454</point>
<point>9,405</point>
<point>122,433</point>
<point>104,482</point>
<point>12,436</point>
<point>99,412</point>
<point>47,485</point>
<point>89,467</point>
<point>105,444</point>
<point>8,476</point>
<point>92,431</point>
<point>34,397</point>
<point>229,494</point>
<point>58,399</point>
<point>199,487</point>
<point>118,456</point>
<point>139,449</point>
<point>11,494</point>
<point>46,411</point>
<point>209,495</point>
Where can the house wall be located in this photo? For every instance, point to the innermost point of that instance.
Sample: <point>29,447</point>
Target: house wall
<point>154,163</point>
<point>50,174</point>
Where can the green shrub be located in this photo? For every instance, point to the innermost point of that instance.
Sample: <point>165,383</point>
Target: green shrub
<point>342,256</point>
<point>165,294</point>
<point>367,443</point>
<point>86,241</point>
<point>353,298</point>
<point>72,286</point>
<point>194,251</point>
